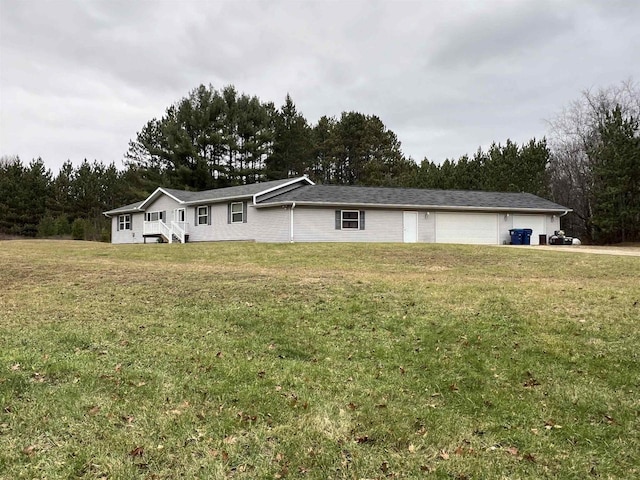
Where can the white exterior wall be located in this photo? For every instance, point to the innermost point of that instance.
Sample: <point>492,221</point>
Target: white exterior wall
<point>263,225</point>
<point>318,225</point>
<point>272,224</point>
<point>164,204</point>
<point>551,224</point>
<point>128,236</point>
<point>313,224</point>
<point>505,223</point>
<point>426,227</point>
<point>310,224</point>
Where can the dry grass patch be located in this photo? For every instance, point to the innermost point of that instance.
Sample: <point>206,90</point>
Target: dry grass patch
<point>316,361</point>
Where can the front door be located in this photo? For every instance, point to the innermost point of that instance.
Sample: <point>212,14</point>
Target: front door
<point>410,227</point>
<point>179,215</point>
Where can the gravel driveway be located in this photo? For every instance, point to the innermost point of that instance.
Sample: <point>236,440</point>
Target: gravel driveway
<point>632,251</point>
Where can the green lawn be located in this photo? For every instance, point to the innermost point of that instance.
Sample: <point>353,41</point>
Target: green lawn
<point>240,360</point>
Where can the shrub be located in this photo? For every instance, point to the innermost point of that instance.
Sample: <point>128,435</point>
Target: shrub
<point>63,227</point>
<point>78,229</point>
<point>47,227</point>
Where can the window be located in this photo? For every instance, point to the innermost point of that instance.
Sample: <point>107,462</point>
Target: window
<point>179,215</point>
<point>202,215</point>
<point>237,212</point>
<point>124,222</point>
<point>350,219</point>
<point>154,216</point>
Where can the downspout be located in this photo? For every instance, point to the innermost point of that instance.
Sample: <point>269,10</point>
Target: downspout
<point>560,216</point>
<point>293,205</point>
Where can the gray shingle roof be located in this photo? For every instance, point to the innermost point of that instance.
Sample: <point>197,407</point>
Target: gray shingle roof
<point>132,207</point>
<point>184,196</point>
<point>228,192</point>
<point>337,195</point>
<point>383,196</point>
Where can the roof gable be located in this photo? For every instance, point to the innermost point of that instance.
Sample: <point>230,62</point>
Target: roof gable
<point>157,193</point>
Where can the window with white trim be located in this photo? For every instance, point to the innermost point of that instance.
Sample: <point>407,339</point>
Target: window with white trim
<point>203,215</point>
<point>124,222</point>
<point>154,216</point>
<point>350,219</point>
<point>237,212</point>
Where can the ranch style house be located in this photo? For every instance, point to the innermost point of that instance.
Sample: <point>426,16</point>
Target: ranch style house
<point>297,210</point>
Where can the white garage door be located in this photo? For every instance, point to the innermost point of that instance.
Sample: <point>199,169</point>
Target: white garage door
<point>534,222</point>
<point>477,228</point>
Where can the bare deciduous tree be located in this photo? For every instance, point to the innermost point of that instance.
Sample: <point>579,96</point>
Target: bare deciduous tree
<point>574,133</point>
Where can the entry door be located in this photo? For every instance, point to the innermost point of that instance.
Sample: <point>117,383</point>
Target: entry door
<point>410,227</point>
<point>179,215</point>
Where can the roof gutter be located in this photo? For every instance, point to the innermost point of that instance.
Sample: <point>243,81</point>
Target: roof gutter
<point>112,213</point>
<point>414,207</point>
<point>216,200</point>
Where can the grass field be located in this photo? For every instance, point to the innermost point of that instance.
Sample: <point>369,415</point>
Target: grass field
<point>239,360</point>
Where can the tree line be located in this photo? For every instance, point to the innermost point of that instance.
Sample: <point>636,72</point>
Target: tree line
<point>212,139</point>
<point>34,202</point>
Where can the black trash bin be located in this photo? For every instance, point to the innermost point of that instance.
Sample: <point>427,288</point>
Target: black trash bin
<point>526,236</point>
<point>542,239</point>
<point>516,236</point>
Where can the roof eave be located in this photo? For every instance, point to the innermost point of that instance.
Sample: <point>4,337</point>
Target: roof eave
<point>111,213</point>
<point>217,200</point>
<point>413,207</point>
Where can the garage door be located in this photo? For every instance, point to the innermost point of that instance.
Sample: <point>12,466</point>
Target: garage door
<point>477,228</point>
<point>534,222</point>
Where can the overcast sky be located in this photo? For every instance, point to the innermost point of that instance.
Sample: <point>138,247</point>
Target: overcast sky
<point>79,79</point>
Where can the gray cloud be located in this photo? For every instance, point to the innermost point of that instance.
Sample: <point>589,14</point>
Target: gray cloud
<point>502,35</point>
<point>79,78</point>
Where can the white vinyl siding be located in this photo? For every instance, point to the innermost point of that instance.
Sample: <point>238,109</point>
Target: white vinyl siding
<point>470,228</point>
<point>162,204</point>
<point>306,223</point>
<point>537,223</point>
<point>134,235</point>
<point>266,225</point>
<point>317,224</point>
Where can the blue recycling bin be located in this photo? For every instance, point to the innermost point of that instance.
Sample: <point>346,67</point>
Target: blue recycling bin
<point>526,236</point>
<point>517,235</point>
